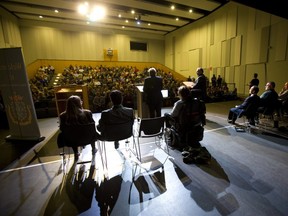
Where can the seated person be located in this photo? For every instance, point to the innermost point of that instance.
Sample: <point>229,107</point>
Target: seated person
<point>247,108</point>
<point>283,98</point>
<point>187,118</point>
<point>76,115</point>
<point>268,100</point>
<point>118,114</point>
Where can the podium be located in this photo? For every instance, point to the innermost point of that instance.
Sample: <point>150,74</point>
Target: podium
<point>142,107</point>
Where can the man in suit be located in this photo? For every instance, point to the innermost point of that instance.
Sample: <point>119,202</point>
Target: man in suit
<point>200,83</point>
<point>152,90</point>
<point>118,114</point>
<point>247,108</point>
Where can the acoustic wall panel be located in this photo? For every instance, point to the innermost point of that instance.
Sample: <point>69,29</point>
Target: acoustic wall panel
<point>280,48</point>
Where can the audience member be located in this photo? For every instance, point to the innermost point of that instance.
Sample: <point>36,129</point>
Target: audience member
<point>219,81</point>
<point>153,95</point>
<point>213,80</point>
<point>116,115</point>
<point>200,83</point>
<point>248,107</point>
<point>76,115</point>
<point>186,114</point>
<point>268,99</point>
<point>254,81</point>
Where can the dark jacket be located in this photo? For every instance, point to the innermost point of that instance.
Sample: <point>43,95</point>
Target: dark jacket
<point>116,115</point>
<point>84,117</point>
<point>152,89</point>
<point>200,83</point>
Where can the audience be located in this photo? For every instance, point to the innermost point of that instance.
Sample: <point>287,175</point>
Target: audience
<point>101,80</point>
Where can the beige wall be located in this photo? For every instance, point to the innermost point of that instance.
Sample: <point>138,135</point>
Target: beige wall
<point>52,43</point>
<point>234,42</point>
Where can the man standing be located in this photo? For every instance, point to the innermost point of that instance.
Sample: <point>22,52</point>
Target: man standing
<point>118,114</point>
<point>200,83</point>
<point>152,90</point>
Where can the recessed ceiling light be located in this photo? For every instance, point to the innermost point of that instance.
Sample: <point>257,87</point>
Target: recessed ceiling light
<point>149,24</point>
<point>190,11</point>
<point>172,7</point>
<point>123,26</point>
<point>56,11</point>
<point>41,17</point>
<point>126,21</point>
<point>132,11</point>
<point>177,18</point>
<point>119,15</point>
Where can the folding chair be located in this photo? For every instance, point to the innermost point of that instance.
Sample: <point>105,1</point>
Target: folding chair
<point>79,135</point>
<point>147,128</point>
<point>115,132</point>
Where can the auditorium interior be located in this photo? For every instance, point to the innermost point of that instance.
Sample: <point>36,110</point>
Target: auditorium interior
<point>246,173</point>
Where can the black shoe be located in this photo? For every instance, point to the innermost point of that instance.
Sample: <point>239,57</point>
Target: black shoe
<point>189,159</point>
<point>116,144</point>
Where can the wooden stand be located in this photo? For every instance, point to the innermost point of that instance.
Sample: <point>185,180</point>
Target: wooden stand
<point>142,108</point>
<point>62,93</point>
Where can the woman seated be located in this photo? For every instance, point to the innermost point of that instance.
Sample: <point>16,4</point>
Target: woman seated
<point>76,115</point>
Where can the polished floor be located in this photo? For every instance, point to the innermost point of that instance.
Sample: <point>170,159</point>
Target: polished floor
<point>247,175</point>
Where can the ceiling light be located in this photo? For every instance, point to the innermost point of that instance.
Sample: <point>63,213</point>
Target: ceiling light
<point>138,22</point>
<point>40,17</point>
<point>119,15</point>
<point>172,7</point>
<point>92,13</point>
<point>190,11</point>
<point>177,18</point>
<point>132,11</point>
<point>97,13</point>
<point>149,24</point>
<point>126,21</point>
<point>56,11</point>
<point>123,26</point>
<point>83,8</point>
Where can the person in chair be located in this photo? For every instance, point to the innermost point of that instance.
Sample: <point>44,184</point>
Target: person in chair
<point>118,114</point>
<point>247,108</point>
<point>76,115</point>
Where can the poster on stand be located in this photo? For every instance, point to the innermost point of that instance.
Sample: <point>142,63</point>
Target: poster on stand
<point>17,97</point>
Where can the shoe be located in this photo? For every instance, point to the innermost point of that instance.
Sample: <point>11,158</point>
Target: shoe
<point>116,144</point>
<point>185,153</point>
<point>229,121</point>
<point>189,159</point>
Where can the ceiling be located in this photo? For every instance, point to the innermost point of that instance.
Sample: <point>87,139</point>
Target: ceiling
<point>156,16</point>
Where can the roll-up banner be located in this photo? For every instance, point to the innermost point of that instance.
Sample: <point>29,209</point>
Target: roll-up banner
<point>17,97</point>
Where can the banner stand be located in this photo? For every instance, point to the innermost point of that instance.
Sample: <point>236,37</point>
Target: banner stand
<point>17,97</point>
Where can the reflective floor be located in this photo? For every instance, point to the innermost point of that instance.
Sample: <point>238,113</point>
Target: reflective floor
<point>247,175</point>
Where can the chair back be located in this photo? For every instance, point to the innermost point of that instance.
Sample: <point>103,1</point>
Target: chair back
<point>79,135</point>
<point>150,127</point>
<point>116,132</point>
